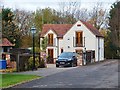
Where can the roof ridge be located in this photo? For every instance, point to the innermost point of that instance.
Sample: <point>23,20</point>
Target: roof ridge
<point>93,29</point>
<point>60,29</point>
<point>58,24</point>
<point>6,42</point>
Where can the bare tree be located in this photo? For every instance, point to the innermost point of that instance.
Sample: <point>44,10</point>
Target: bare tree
<point>82,14</point>
<point>98,16</point>
<point>23,19</point>
<point>69,9</point>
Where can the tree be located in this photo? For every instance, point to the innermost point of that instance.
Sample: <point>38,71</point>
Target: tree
<point>44,43</point>
<point>7,15</point>
<point>82,14</point>
<point>0,24</point>
<point>114,23</point>
<point>23,20</point>
<point>26,41</point>
<point>42,16</point>
<point>9,29</point>
<point>108,47</point>
<point>68,10</point>
<point>98,16</point>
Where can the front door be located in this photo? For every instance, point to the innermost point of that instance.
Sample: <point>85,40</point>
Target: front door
<point>50,56</point>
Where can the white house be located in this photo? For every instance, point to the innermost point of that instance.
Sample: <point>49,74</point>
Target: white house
<point>80,37</point>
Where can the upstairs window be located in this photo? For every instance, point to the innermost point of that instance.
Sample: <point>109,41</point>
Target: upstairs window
<point>50,39</point>
<point>79,39</point>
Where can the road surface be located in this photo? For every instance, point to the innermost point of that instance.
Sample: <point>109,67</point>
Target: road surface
<point>99,75</point>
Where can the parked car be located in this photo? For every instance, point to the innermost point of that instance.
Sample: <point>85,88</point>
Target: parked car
<point>67,59</point>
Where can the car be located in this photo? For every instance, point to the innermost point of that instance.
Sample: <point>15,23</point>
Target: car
<point>67,59</point>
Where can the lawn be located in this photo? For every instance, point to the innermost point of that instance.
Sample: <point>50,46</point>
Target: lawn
<point>7,80</point>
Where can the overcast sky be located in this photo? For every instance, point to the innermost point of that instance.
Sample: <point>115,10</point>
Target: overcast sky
<point>32,5</point>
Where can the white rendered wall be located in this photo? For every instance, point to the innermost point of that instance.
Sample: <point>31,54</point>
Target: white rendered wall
<point>54,47</point>
<point>99,57</point>
<point>89,38</point>
<point>101,49</point>
<point>61,44</point>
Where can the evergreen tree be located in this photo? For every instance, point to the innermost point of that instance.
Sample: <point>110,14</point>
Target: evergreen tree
<point>114,23</point>
<point>9,29</point>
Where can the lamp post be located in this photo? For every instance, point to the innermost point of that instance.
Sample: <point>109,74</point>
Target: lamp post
<point>33,31</point>
<point>39,48</point>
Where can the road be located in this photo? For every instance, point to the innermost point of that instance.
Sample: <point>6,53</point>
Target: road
<point>99,75</point>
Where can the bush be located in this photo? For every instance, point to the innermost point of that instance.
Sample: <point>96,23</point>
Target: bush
<point>30,63</point>
<point>42,63</point>
<point>38,64</point>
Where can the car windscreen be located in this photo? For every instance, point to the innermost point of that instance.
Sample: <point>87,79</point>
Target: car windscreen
<point>66,55</point>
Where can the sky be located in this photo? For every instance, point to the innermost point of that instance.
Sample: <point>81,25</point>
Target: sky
<point>32,5</point>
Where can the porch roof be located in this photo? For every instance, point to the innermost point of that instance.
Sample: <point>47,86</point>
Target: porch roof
<point>6,42</point>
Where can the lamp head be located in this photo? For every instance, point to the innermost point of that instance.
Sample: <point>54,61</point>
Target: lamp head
<point>33,30</point>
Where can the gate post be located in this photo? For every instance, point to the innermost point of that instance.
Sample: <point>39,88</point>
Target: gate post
<point>84,56</point>
<point>17,63</point>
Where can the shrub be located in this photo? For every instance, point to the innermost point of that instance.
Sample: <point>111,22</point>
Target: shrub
<point>30,63</point>
<point>38,64</point>
<point>42,63</point>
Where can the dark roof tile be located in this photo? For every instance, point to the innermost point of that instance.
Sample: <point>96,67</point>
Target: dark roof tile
<point>61,29</point>
<point>92,29</point>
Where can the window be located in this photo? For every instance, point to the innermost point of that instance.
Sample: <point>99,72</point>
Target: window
<point>79,40</point>
<point>50,39</point>
<point>5,49</point>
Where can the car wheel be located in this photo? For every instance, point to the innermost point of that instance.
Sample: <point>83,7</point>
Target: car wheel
<point>57,65</point>
<point>72,64</point>
<point>76,64</point>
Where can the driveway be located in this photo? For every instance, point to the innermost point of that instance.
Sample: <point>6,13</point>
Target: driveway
<point>100,75</point>
<point>50,70</point>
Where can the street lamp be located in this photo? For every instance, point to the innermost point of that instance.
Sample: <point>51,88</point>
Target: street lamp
<point>39,48</point>
<point>33,31</point>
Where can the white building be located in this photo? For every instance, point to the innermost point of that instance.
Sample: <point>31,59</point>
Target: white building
<point>80,37</point>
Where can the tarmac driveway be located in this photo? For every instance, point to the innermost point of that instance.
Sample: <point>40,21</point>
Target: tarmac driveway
<point>99,75</point>
<point>50,70</point>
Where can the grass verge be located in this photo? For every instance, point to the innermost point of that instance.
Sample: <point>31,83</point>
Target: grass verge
<point>8,80</point>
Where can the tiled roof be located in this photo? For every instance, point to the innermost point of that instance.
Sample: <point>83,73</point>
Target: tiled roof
<point>92,29</point>
<point>6,42</point>
<point>61,29</point>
